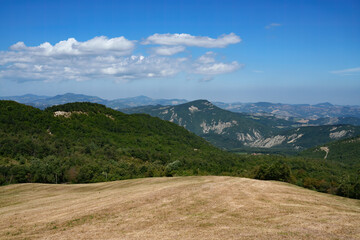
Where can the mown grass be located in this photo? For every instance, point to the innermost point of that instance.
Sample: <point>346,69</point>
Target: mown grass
<point>206,207</point>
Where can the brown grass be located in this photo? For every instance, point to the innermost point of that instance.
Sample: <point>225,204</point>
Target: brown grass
<point>175,208</point>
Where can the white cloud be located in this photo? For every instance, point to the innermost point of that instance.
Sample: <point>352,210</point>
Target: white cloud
<point>82,68</point>
<point>272,25</point>
<point>168,51</point>
<point>206,65</point>
<point>102,58</point>
<point>217,68</point>
<point>136,67</point>
<point>18,46</point>
<point>184,39</point>
<point>347,71</point>
<point>97,45</point>
<point>207,58</point>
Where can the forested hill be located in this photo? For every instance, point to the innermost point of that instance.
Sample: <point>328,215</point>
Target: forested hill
<point>82,142</point>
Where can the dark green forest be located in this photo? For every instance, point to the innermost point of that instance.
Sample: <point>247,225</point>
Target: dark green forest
<point>88,142</point>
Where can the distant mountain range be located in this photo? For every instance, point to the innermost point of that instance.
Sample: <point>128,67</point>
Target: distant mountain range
<point>244,132</point>
<point>43,102</point>
<point>331,114</point>
<point>307,111</point>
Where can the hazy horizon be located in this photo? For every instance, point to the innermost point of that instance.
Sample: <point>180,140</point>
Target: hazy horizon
<point>171,98</point>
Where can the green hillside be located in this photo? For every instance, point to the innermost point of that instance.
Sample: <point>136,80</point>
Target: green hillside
<point>87,142</point>
<point>346,151</point>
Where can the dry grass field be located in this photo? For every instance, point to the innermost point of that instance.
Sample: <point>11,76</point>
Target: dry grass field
<point>175,208</point>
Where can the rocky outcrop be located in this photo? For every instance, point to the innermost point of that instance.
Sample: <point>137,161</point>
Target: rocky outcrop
<point>216,127</point>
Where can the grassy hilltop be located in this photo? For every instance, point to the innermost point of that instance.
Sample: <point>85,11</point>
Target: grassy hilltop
<point>175,208</point>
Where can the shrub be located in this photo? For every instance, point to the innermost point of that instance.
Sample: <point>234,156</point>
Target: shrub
<point>276,171</point>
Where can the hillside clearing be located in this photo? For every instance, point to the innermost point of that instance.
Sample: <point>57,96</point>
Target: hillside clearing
<point>175,208</point>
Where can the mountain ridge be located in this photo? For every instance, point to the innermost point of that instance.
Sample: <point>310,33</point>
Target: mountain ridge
<point>307,111</point>
<point>231,130</point>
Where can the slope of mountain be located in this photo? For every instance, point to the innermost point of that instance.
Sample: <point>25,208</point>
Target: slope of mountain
<point>322,110</point>
<point>87,142</point>
<point>335,120</point>
<point>235,131</point>
<point>222,128</point>
<point>206,207</point>
<point>84,142</point>
<point>343,151</point>
<point>306,137</point>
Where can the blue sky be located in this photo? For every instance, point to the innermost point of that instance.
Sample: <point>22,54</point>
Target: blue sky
<point>247,51</point>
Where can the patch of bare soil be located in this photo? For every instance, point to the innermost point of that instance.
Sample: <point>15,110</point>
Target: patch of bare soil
<point>175,208</point>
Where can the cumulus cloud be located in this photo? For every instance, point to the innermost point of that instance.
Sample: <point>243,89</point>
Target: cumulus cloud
<point>347,71</point>
<point>168,51</point>
<point>184,39</point>
<point>92,67</point>
<point>97,45</point>
<point>103,58</point>
<point>208,57</point>
<point>135,67</point>
<point>272,25</point>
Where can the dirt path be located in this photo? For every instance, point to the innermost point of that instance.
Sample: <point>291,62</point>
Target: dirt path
<point>326,150</point>
<point>175,208</point>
